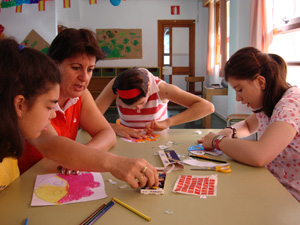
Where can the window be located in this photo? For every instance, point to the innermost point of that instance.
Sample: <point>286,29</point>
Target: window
<point>167,46</point>
<point>287,35</point>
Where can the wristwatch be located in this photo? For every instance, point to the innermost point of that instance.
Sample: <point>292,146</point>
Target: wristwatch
<point>233,131</point>
<point>216,141</point>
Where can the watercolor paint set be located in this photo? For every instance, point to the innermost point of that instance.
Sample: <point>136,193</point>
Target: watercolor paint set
<point>156,190</point>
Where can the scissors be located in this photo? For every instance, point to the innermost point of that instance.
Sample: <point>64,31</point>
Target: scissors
<point>222,169</point>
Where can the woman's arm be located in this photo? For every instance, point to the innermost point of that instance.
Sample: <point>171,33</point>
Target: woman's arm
<point>71,154</point>
<point>92,121</point>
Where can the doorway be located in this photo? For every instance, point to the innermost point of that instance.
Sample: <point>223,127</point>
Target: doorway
<point>176,51</point>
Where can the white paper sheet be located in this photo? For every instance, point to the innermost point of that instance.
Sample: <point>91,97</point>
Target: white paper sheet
<point>58,189</point>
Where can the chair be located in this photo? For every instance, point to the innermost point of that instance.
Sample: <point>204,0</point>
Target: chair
<point>235,118</point>
<point>191,81</point>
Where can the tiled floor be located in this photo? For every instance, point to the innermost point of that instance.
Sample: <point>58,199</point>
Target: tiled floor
<point>216,122</point>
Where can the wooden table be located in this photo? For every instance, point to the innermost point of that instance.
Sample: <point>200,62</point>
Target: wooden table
<point>246,196</point>
<point>207,94</point>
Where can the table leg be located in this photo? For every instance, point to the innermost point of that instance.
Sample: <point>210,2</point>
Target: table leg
<point>207,119</point>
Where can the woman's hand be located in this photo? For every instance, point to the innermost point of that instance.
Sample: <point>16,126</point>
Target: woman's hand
<point>135,171</point>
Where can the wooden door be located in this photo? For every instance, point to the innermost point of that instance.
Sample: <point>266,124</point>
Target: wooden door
<point>176,51</point>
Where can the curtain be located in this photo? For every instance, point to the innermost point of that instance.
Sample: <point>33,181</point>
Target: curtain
<point>223,34</point>
<point>261,28</point>
<point>210,39</point>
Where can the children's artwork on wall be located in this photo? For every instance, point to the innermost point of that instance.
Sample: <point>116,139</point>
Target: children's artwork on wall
<point>34,40</point>
<point>58,189</point>
<point>121,43</point>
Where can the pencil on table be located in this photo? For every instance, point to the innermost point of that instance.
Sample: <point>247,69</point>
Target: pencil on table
<point>98,215</point>
<point>93,214</point>
<point>132,209</point>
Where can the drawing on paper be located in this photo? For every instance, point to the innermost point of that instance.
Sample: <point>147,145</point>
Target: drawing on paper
<point>152,137</point>
<point>57,189</point>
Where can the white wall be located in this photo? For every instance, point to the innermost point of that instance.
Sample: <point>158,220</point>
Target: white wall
<point>19,25</point>
<point>239,38</point>
<point>141,14</point>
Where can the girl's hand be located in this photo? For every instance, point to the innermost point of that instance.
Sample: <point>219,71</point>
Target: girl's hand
<point>207,140</point>
<point>128,133</point>
<point>156,126</point>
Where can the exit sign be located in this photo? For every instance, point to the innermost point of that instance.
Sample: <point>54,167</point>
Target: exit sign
<point>175,10</point>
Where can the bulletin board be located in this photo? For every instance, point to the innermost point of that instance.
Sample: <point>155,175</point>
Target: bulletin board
<point>120,43</point>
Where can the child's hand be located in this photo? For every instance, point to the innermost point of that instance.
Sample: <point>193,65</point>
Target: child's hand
<point>128,133</point>
<point>155,126</point>
<point>207,141</point>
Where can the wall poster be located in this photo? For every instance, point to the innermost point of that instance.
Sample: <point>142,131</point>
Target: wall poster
<point>121,43</point>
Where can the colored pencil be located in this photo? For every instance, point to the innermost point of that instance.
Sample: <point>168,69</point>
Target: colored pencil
<point>206,158</point>
<point>93,214</point>
<point>104,210</point>
<point>97,213</point>
<point>26,221</point>
<point>132,209</point>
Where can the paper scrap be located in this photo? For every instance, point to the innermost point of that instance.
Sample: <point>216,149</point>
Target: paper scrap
<point>111,181</point>
<point>123,186</point>
<point>169,211</point>
<point>198,132</point>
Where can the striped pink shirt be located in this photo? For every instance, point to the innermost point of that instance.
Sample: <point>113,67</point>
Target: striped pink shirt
<point>153,109</point>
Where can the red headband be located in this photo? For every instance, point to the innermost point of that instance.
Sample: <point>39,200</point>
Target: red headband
<point>128,94</point>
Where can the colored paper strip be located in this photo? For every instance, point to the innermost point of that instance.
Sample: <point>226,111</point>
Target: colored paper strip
<point>19,9</point>
<point>92,2</point>
<point>67,3</point>
<point>42,6</point>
